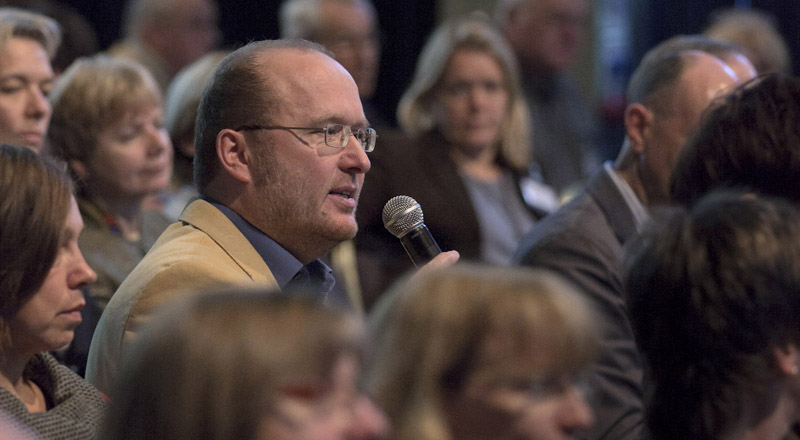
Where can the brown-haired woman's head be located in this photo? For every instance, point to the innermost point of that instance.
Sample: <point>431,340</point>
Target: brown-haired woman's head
<point>241,364</point>
<point>469,348</point>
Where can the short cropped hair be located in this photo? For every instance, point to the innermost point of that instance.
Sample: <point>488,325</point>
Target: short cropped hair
<point>302,18</point>
<point>749,140</point>
<point>238,90</point>
<point>91,96</point>
<point>415,112</point>
<point>713,291</point>
<point>433,331</point>
<point>35,201</point>
<point>23,24</point>
<point>656,77</point>
<point>210,367</point>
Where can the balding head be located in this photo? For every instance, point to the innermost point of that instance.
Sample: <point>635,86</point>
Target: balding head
<point>663,113</point>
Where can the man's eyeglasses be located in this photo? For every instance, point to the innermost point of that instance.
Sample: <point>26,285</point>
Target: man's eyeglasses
<point>336,135</point>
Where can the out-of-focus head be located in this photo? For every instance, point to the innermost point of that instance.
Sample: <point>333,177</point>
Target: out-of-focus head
<point>466,86</point>
<point>546,35</point>
<point>183,98</point>
<point>306,135</point>
<point>108,126</point>
<point>39,228</point>
<point>246,365</point>
<point>668,93</point>
<point>28,42</point>
<point>756,33</point>
<point>730,53</point>
<point>180,31</point>
<point>477,352</point>
<point>749,140</point>
<point>348,28</point>
<point>714,294</point>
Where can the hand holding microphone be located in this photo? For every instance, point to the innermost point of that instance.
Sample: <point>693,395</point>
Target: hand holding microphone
<point>402,217</point>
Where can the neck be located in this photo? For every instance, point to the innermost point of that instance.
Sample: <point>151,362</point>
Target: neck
<point>479,164</point>
<point>630,174</point>
<point>758,423</point>
<point>12,366</point>
<point>126,212</point>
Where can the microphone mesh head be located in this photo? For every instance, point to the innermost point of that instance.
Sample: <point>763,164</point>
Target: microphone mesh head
<point>401,214</point>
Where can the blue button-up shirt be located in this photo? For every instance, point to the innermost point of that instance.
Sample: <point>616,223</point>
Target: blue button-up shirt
<point>289,272</point>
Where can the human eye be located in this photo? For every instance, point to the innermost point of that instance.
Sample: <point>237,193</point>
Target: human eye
<point>11,86</point>
<point>493,86</point>
<point>334,129</point>
<point>457,89</point>
<point>46,87</point>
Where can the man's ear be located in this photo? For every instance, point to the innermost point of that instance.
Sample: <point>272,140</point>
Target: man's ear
<point>787,359</point>
<point>234,154</point>
<point>638,122</point>
<point>79,168</point>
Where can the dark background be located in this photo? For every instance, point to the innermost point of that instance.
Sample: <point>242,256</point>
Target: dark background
<point>405,25</point>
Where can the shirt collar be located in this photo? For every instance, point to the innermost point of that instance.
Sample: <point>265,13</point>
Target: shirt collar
<point>639,212</point>
<point>288,271</point>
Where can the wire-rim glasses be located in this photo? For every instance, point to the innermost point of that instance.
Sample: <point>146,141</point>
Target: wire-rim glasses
<point>336,135</point>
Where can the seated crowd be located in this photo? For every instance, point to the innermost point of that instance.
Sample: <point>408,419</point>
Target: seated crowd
<point>183,260</point>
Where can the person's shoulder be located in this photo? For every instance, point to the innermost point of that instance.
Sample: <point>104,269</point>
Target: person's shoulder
<point>577,227</point>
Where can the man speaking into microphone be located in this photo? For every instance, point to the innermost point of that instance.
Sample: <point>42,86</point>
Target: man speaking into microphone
<point>281,152</point>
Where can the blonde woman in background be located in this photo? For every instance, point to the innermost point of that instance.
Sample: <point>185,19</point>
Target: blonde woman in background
<point>473,352</point>
<point>27,44</point>
<point>465,159</point>
<point>108,126</point>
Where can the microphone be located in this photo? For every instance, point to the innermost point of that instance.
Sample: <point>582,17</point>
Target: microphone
<point>402,217</point>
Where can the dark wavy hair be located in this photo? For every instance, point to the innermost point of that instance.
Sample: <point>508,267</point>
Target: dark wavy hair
<point>34,202</point>
<point>750,140</point>
<point>713,291</point>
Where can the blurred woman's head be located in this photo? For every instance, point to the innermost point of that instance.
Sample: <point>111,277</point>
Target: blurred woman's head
<point>43,270</point>
<point>28,42</point>
<point>467,87</point>
<point>246,365</point>
<point>479,352</point>
<point>108,126</point>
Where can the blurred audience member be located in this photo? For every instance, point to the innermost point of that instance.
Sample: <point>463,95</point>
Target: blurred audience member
<point>477,353</point>
<point>466,159</point>
<point>584,239</point>
<point>749,141</point>
<point>755,31</point>
<point>349,29</point>
<point>547,38</point>
<point>249,366</point>
<point>27,43</point>
<point>108,126</point>
<point>41,277</point>
<point>730,53</point>
<point>78,36</point>
<point>180,113</point>
<point>167,35</point>
<point>714,299</point>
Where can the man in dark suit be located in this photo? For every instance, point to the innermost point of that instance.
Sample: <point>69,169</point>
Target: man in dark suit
<point>583,241</point>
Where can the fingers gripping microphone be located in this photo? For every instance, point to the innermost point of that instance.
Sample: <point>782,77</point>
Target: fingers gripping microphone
<point>402,217</point>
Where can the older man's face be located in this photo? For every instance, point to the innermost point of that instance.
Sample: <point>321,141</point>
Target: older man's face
<point>349,31</point>
<point>548,34</point>
<point>309,190</point>
<point>704,78</point>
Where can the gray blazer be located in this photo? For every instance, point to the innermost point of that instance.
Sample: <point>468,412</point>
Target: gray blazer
<point>583,241</point>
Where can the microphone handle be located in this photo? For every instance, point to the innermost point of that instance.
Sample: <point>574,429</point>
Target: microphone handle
<point>420,245</point>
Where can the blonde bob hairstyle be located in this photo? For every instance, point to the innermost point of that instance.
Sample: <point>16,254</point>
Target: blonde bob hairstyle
<point>17,23</point>
<point>415,113</point>
<point>92,95</point>
<point>439,327</point>
<point>210,366</point>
